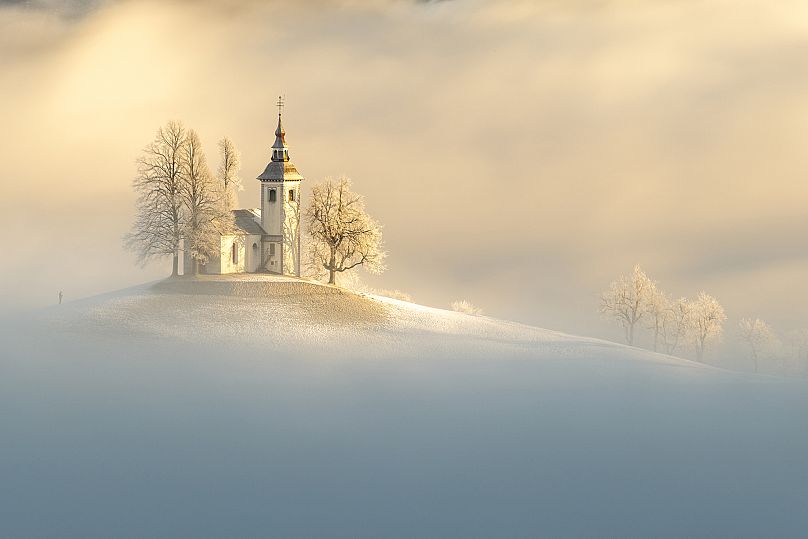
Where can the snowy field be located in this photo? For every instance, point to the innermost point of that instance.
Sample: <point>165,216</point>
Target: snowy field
<point>273,407</point>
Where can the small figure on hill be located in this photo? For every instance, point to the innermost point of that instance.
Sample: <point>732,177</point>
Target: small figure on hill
<point>60,297</point>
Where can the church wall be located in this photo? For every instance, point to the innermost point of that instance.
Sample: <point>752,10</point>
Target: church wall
<point>226,264</point>
<point>291,229</point>
<point>248,259</point>
<point>282,218</point>
<point>271,211</point>
<point>252,253</point>
<point>273,261</point>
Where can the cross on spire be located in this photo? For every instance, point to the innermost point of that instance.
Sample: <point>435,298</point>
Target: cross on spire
<point>280,152</point>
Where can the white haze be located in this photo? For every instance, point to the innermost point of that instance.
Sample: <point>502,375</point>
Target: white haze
<point>520,154</point>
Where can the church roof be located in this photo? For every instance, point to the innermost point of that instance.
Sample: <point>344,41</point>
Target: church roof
<point>280,168</point>
<point>280,135</point>
<point>246,221</point>
<point>279,171</point>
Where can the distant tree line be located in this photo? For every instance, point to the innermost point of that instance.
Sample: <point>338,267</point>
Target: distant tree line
<point>636,302</point>
<point>771,351</point>
<point>679,326</point>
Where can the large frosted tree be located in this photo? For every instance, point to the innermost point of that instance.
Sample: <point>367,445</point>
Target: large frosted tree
<point>159,220</point>
<point>342,236</point>
<point>627,301</point>
<point>206,204</point>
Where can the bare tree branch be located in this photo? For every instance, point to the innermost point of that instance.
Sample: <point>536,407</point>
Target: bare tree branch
<point>159,221</point>
<point>342,235</point>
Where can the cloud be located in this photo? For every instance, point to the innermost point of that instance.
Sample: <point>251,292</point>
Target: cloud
<point>67,8</point>
<point>520,154</point>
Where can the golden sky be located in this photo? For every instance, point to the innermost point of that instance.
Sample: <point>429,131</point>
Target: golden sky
<point>521,154</point>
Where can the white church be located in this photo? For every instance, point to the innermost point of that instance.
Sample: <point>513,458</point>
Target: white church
<point>265,239</point>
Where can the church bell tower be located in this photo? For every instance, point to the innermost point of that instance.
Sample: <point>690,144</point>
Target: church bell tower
<point>280,207</point>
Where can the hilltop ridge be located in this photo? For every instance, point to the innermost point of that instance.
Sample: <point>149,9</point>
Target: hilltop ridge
<point>287,312</point>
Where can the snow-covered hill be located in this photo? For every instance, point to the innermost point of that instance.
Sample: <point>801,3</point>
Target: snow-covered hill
<point>269,313</point>
<point>258,407</point>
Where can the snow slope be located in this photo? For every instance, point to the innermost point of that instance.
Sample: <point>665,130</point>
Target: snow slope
<point>258,407</point>
<point>277,313</point>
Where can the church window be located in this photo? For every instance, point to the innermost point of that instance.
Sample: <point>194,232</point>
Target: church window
<point>272,195</point>
<point>235,254</point>
<point>255,247</point>
<point>291,195</point>
<point>271,249</point>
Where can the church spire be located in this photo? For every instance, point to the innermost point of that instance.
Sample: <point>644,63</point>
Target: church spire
<point>280,151</point>
<point>280,168</point>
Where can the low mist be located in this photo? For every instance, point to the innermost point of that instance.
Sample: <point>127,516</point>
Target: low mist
<point>319,430</point>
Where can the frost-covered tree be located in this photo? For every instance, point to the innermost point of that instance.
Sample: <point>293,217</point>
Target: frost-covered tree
<point>342,236</point>
<point>229,166</point>
<point>676,324</point>
<point>465,307</point>
<point>798,343</point>
<point>657,308</point>
<point>627,300</point>
<point>158,225</point>
<point>758,337</point>
<point>707,320</point>
<point>205,204</point>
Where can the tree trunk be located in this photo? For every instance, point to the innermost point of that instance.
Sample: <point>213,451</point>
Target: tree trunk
<point>175,270</point>
<point>196,267</point>
<point>332,264</point>
<point>630,337</point>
